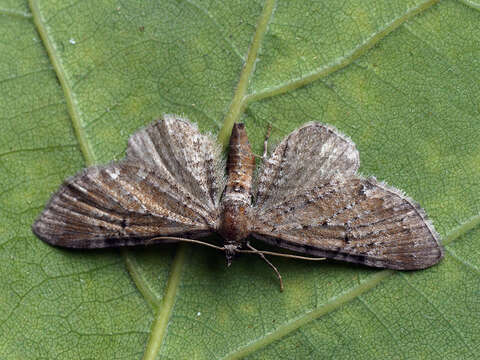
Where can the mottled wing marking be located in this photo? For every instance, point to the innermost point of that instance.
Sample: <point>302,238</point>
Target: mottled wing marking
<point>176,149</point>
<point>310,155</point>
<point>119,204</point>
<point>169,184</point>
<point>354,219</point>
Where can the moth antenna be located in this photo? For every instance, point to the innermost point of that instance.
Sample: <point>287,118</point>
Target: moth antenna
<point>281,255</point>
<point>198,242</point>
<point>260,253</point>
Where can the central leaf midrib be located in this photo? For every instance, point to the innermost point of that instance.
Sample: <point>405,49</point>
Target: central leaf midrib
<point>162,317</point>
<point>237,105</point>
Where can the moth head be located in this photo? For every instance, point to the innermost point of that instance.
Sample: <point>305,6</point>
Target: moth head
<point>230,251</point>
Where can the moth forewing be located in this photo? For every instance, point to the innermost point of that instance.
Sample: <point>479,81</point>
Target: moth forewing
<point>158,190</point>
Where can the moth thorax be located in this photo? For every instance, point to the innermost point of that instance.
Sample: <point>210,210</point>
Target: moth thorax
<point>236,201</point>
<point>234,222</point>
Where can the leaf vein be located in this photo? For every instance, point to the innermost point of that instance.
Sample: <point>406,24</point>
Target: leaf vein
<point>72,104</point>
<point>46,148</point>
<point>470,4</point>
<point>21,14</point>
<point>460,335</point>
<point>219,28</point>
<point>342,62</point>
<point>238,103</point>
<point>329,306</point>
<point>462,261</point>
<point>336,302</point>
<point>164,313</point>
<point>142,285</point>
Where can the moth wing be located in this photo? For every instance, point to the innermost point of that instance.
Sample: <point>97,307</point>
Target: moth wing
<point>357,220</point>
<point>310,155</point>
<point>117,205</point>
<point>174,148</point>
<point>169,185</point>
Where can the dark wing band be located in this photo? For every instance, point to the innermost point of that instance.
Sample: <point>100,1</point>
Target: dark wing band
<point>354,219</point>
<point>116,205</point>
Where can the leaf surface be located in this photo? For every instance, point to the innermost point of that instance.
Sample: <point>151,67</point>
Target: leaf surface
<point>77,78</point>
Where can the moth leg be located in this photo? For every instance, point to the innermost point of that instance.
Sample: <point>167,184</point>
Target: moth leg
<point>265,142</point>
<point>265,145</point>
<point>269,263</point>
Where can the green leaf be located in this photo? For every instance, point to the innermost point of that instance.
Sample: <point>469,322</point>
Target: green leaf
<point>399,77</point>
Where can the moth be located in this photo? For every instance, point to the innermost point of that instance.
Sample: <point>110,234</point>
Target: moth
<point>307,198</point>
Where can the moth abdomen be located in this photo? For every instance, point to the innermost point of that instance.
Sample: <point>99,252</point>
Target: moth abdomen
<point>240,165</point>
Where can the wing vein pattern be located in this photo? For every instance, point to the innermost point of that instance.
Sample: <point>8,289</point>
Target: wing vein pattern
<point>311,200</point>
<point>169,184</point>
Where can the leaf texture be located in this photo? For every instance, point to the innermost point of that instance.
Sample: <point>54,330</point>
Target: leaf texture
<point>77,78</point>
